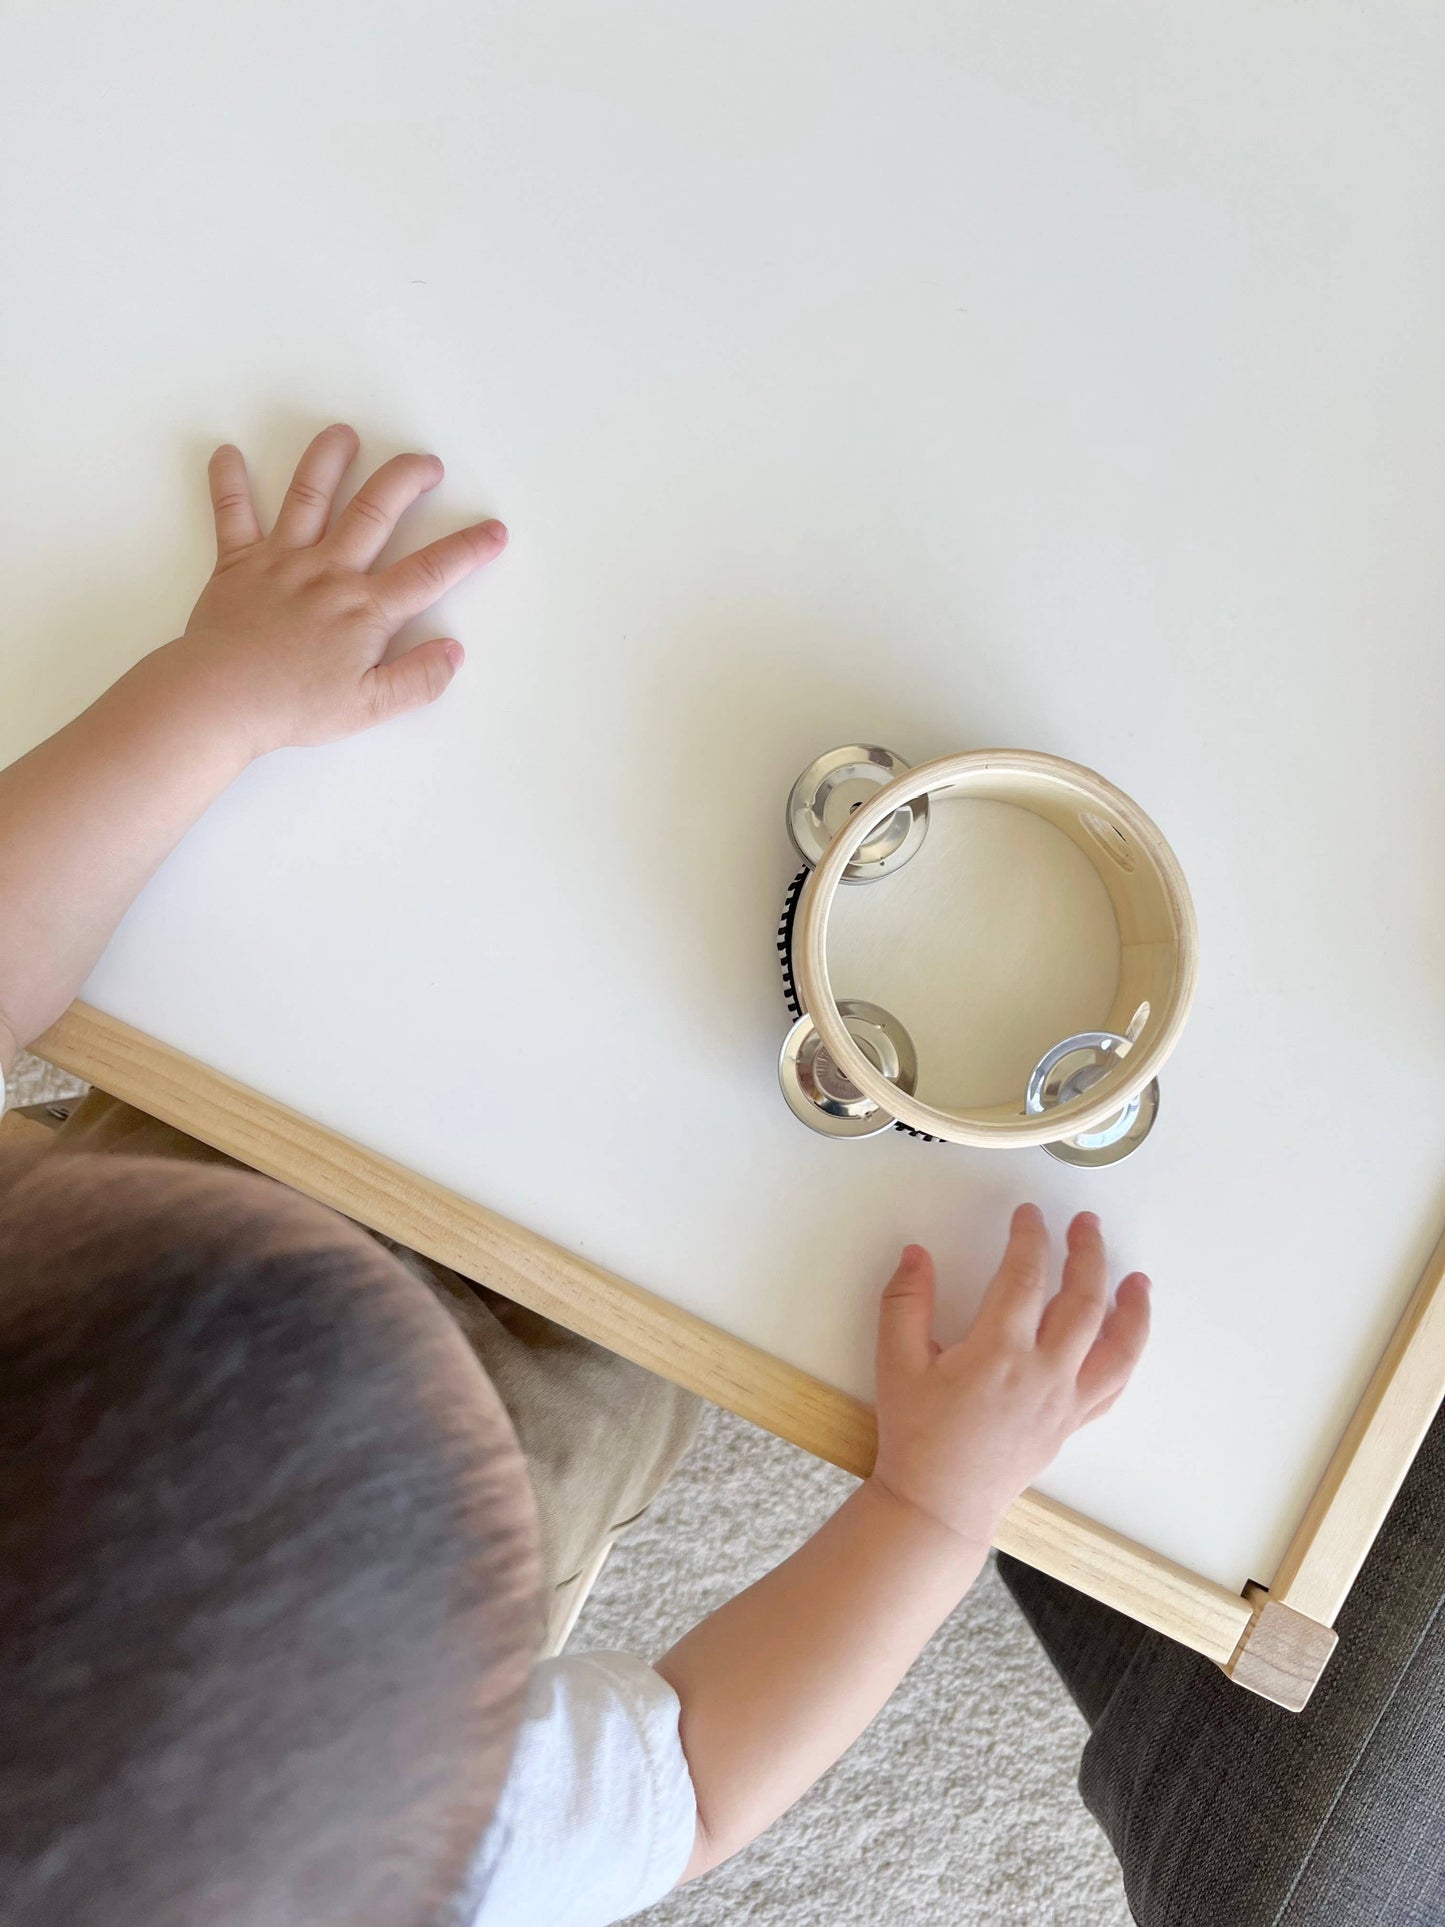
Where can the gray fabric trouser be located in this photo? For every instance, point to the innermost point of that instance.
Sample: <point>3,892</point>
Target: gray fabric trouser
<point>1226,1811</point>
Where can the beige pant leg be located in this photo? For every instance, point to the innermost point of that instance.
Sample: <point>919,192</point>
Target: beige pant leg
<point>98,1122</point>
<point>601,1435</point>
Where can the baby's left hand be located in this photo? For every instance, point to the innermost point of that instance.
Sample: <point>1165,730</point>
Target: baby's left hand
<point>963,1429</point>
<point>291,629</point>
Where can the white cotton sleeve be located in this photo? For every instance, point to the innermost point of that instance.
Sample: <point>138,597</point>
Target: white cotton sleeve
<point>597,1817</point>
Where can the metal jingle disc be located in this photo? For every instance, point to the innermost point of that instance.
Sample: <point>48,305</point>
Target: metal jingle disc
<point>817,1091</point>
<point>1068,1070</point>
<point>828,792</point>
<point>1087,1149</point>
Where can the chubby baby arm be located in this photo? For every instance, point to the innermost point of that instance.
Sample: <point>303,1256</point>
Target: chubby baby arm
<point>777,1684</point>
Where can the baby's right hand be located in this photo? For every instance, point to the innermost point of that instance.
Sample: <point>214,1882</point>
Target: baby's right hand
<point>291,634</point>
<point>961,1432</point>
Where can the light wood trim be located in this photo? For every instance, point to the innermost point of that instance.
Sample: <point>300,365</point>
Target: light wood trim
<point>1159,939</point>
<point>561,1285</point>
<point>1283,1654</point>
<point>1369,1466</point>
<point>17,1128</point>
<point>473,1240</point>
<point>1125,1575</point>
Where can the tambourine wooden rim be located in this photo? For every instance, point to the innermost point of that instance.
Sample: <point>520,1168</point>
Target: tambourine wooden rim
<point>1158,938</point>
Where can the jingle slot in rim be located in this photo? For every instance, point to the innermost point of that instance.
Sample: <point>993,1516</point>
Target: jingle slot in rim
<point>818,1093</point>
<point>831,788</point>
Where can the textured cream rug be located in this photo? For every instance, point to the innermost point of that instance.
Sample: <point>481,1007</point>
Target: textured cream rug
<point>956,1809</point>
<point>33,1080</point>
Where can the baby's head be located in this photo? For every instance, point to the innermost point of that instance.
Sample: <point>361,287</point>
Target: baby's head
<point>267,1562</point>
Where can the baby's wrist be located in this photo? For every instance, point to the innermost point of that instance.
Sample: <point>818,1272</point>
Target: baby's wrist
<point>964,1540</point>
<point>202,685</point>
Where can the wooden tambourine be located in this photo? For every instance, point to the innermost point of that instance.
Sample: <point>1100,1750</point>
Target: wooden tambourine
<point>848,1068</point>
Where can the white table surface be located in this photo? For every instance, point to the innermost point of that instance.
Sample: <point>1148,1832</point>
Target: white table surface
<point>1041,375</point>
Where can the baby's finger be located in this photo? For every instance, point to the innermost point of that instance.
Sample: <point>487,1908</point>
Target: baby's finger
<point>1019,1287</point>
<point>364,526</point>
<point>1098,1411</point>
<point>237,525</point>
<point>414,583</point>
<point>1071,1320</point>
<point>410,681</point>
<point>307,506</point>
<point>1119,1346</point>
<point>905,1318</point>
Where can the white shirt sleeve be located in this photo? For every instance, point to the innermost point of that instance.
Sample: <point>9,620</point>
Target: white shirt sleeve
<point>598,1814</point>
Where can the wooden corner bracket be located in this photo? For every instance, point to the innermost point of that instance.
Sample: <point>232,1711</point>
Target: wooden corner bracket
<point>1282,1653</point>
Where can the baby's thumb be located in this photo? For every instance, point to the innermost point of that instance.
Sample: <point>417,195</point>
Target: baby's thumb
<point>905,1319</point>
<point>413,680</point>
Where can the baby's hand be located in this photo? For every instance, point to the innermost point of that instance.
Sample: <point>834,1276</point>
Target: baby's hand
<point>962,1432</point>
<point>291,629</point>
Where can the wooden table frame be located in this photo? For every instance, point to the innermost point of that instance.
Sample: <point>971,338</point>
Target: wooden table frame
<point>1272,1639</point>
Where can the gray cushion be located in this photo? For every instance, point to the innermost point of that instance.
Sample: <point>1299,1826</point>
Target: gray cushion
<point>1224,1809</point>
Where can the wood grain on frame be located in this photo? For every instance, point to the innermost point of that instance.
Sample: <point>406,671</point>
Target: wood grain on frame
<point>556,1282</point>
<point>1374,1454</point>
